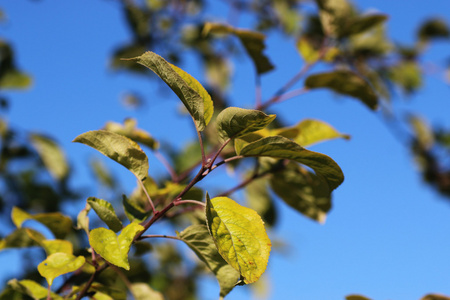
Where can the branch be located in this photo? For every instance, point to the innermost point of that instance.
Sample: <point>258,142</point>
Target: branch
<point>159,236</point>
<point>148,196</point>
<point>181,202</point>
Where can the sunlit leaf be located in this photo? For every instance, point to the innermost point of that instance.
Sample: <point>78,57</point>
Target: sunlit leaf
<point>307,51</point>
<point>118,148</point>
<point>303,191</point>
<point>55,246</point>
<point>309,132</point>
<point>407,75</point>
<point>51,154</point>
<point>114,248</point>
<point>130,130</point>
<point>252,41</point>
<point>234,122</point>
<point>106,213</point>
<point>422,132</point>
<point>346,83</point>
<point>19,216</point>
<point>32,289</point>
<point>197,237</point>
<point>14,79</point>
<point>194,97</point>
<point>58,264</point>
<point>283,148</point>
<point>239,235</point>
<point>141,291</point>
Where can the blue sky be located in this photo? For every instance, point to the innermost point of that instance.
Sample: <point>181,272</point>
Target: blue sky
<point>387,236</point>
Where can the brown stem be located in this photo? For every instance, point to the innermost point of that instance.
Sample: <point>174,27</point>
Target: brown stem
<point>90,281</point>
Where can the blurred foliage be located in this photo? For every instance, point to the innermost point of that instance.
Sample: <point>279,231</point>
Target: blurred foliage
<point>360,61</point>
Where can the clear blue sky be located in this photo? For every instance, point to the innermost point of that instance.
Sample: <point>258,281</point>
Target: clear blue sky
<point>388,235</point>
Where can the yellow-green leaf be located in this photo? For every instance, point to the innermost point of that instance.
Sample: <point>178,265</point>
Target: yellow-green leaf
<point>52,156</point>
<point>307,51</point>
<point>32,289</point>
<point>194,97</point>
<point>114,248</point>
<point>309,132</point>
<point>356,297</point>
<point>239,235</point>
<point>106,213</point>
<point>197,237</point>
<point>234,122</point>
<point>55,246</point>
<point>119,148</point>
<point>58,264</point>
<point>283,148</point>
<point>19,216</point>
<point>21,238</point>
<point>130,130</point>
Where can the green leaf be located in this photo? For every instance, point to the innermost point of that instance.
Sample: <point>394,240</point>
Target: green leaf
<point>239,235</point>
<point>307,51</point>
<point>309,132</point>
<point>360,24</point>
<point>422,131</point>
<point>119,148</point>
<point>52,156</point>
<point>20,238</point>
<point>303,191</point>
<point>260,200</point>
<point>197,237</point>
<point>14,79</point>
<point>252,41</point>
<point>19,216</point>
<point>234,122</point>
<point>344,82</point>
<point>130,130</point>
<point>433,29</point>
<point>55,246</point>
<point>194,97</point>
<point>283,148</point>
<point>106,212</point>
<point>83,219</point>
<point>428,297</point>
<point>114,248</point>
<point>32,289</point>
<point>58,264</point>
<point>133,211</point>
<point>407,75</point>
<point>334,15</point>
<point>141,291</point>
<point>356,297</point>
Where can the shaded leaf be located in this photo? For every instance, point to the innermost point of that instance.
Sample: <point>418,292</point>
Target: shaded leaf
<point>346,83</point>
<point>310,131</point>
<point>20,238</point>
<point>407,75</point>
<point>133,211</point>
<point>58,223</point>
<point>141,291</point>
<point>51,154</point>
<point>360,24</point>
<point>434,297</point>
<point>194,97</point>
<point>197,237</point>
<point>356,297</point>
<point>106,213</point>
<point>234,122</point>
<point>239,235</point>
<point>252,41</point>
<point>58,264</point>
<point>102,173</point>
<point>260,200</point>
<point>422,132</point>
<point>433,29</point>
<point>283,148</point>
<point>114,248</point>
<point>32,289</point>
<point>334,15</point>
<point>118,148</point>
<point>83,219</point>
<point>303,191</point>
<point>130,130</point>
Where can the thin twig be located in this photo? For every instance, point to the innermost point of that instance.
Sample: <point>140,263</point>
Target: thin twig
<point>90,281</point>
<point>167,165</point>
<point>181,202</point>
<point>158,236</point>
<point>200,140</point>
<point>218,152</point>
<point>148,196</point>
